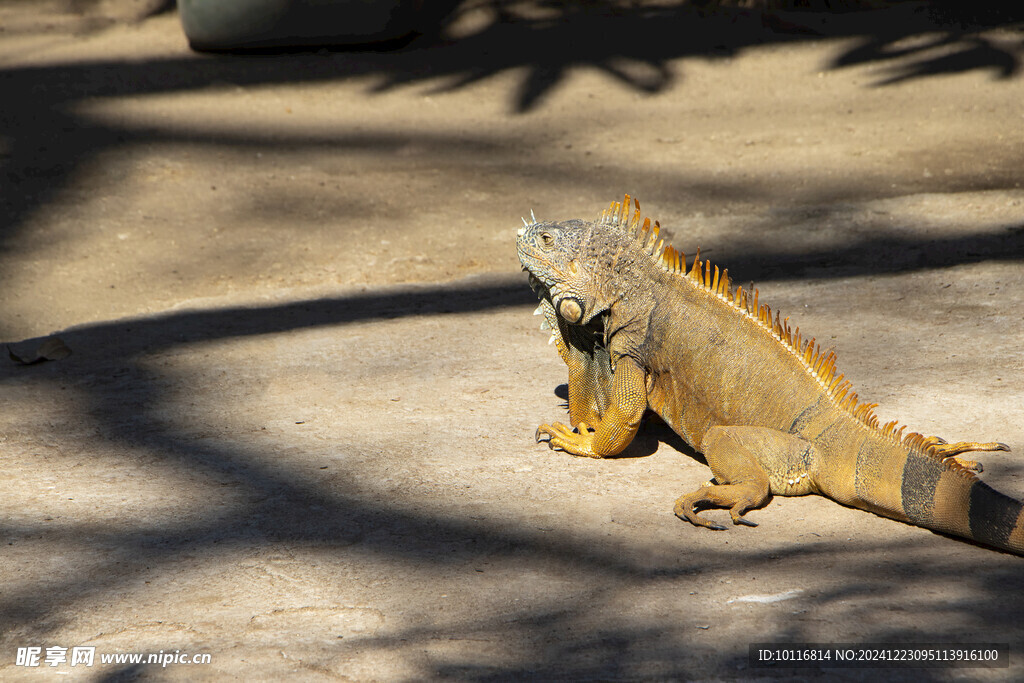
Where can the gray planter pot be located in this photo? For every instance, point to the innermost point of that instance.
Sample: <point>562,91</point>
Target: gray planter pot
<point>235,24</point>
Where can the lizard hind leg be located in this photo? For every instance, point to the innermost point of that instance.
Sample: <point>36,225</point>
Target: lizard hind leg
<point>749,464</point>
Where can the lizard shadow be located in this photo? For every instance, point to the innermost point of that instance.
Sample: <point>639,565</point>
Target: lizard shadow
<point>653,432</point>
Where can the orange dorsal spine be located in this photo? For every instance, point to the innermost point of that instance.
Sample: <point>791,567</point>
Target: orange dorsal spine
<point>821,364</point>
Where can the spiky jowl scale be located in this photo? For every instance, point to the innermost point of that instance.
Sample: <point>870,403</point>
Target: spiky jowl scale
<point>640,329</point>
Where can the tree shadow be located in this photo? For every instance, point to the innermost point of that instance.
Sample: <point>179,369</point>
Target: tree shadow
<point>887,252</point>
<point>571,644</point>
<point>948,41</point>
<point>44,140</point>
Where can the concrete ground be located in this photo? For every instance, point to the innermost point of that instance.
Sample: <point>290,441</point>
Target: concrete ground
<point>295,429</point>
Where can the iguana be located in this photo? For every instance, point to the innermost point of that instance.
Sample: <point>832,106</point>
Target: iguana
<point>766,407</point>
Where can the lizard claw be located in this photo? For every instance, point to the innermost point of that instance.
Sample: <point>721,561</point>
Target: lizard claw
<point>697,520</point>
<point>684,510</point>
<point>565,438</point>
<point>743,520</point>
<point>553,432</point>
<point>540,434</point>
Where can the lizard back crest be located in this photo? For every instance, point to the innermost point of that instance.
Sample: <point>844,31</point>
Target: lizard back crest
<point>626,217</point>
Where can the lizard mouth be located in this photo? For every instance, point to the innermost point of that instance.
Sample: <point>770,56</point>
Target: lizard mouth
<point>542,289</point>
<point>539,287</point>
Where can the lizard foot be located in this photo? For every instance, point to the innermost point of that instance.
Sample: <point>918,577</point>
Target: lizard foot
<point>684,510</point>
<point>972,465</point>
<point>706,496</point>
<point>563,437</point>
<point>950,451</point>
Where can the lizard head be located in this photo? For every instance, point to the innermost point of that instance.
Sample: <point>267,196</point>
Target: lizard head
<point>562,269</point>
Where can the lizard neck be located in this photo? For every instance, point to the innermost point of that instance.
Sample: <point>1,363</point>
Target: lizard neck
<point>631,291</point>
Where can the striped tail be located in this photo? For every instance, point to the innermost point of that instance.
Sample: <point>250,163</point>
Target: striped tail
<point>942,495</point>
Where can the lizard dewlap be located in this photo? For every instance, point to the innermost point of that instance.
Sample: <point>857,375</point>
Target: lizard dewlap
<point>639,330</point>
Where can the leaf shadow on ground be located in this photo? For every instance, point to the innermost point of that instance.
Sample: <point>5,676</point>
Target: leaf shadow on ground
<point>44,140</point>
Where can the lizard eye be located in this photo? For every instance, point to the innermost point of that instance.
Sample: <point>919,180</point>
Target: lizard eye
<point>547,239</point>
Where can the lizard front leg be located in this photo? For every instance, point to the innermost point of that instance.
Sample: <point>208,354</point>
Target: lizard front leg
<point>616,427</point>
<point>590,386</point>
<point>590,370</point>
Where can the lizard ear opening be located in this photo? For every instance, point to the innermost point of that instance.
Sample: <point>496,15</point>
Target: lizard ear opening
<point>571,309</point>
